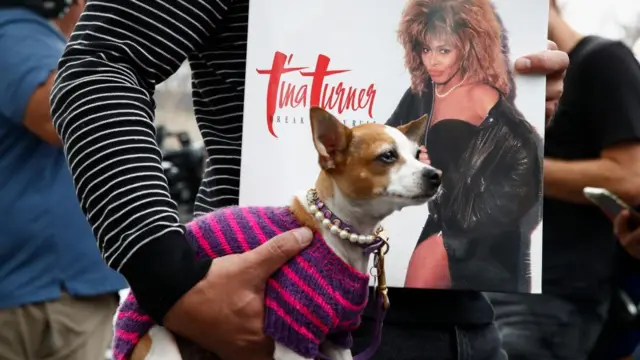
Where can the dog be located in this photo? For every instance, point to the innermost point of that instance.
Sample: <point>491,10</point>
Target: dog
<point>315,301</point>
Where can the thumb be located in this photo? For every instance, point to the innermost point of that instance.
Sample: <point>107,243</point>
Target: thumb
<point>543,63</point>
<point>270,256</point>
<point>620,227</point>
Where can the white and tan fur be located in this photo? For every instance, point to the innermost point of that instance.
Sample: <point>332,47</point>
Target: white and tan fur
<point>361,183</point>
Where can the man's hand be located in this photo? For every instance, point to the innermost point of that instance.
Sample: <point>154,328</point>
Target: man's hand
<point>629,235</point>
<point>224,313</point>
<point>552,63</point>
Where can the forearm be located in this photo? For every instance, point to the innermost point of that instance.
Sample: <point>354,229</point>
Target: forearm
<point>102,109</point>
<point>565,180</point>
<point>121,186</point>
<point>37,116</point>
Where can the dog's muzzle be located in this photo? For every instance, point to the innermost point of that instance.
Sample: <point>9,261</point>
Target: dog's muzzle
<point>431,180</point>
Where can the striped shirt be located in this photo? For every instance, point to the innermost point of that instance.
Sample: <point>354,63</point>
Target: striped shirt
<point>313,296</point>
<point>103,109</point>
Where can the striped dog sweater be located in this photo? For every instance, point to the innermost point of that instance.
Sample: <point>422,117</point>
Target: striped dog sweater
<point>316,295</point>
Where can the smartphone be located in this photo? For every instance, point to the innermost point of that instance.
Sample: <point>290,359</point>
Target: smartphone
<point>610,204</point>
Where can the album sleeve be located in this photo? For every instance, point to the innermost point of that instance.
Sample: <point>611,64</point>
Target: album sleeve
<point>103,110</point>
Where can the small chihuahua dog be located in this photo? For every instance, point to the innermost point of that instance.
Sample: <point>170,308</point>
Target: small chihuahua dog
<point>315,301</point>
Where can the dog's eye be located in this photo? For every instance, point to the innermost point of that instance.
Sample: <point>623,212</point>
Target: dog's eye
<point>388,157</point>
<point>418,154</point>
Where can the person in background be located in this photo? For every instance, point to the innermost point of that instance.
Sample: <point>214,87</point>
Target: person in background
<point>57,297</point>
<point>594,140</point>
<point>627,339</point>
<point>103,109</point>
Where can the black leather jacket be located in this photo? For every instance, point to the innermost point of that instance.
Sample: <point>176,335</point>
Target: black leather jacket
<point>492,197</point>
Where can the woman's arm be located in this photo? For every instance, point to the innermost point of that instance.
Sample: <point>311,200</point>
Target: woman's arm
<point>103,110</point>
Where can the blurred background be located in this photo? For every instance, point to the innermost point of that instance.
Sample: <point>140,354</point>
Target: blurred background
<point>617,19</point>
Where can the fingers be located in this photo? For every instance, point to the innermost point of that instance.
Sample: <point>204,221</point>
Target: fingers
<point>262,350</point>
<point>555,88</point>
<point>553,64</point>
<point>424,159</point>
<point>543,63</point>
<point>270,256</point>
<point>551,45</point>
<point>550,110</point>
<point>423,156</point>
<point>620,227</point>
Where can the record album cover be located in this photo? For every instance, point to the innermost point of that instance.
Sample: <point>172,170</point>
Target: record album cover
<point>390,62</point>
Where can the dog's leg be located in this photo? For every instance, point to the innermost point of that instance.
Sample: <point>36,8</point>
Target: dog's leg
<point>284,353</point>
<point>334,352</point>
<point>158,344</point>
<point>142,349</point>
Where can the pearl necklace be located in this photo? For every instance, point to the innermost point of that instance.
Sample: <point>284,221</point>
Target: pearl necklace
<point>338,227</point>
<point>450,90</point>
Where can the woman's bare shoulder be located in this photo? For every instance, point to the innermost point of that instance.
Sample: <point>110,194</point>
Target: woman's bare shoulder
<point>483,97</point>
<point>476,101</point>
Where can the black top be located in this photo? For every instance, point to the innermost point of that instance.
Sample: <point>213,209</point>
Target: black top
<point>447,140</point>
<point>464,153</point>
<point>600,107</point>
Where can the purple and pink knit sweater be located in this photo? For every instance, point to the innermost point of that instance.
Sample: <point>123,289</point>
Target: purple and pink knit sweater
<point>314,296</point>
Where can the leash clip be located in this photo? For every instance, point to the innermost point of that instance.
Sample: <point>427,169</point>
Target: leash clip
<point>382,288</point>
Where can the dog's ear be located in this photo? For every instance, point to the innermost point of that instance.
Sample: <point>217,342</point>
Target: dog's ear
<point>330,137</point>
<point>415,129</point>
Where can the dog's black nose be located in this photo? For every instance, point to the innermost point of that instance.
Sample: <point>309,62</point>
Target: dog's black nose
<point>432,178</point>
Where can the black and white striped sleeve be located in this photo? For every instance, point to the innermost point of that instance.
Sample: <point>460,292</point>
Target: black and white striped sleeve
<point>103,110</point>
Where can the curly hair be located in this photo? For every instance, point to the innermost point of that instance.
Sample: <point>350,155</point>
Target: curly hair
<point>472,26</point>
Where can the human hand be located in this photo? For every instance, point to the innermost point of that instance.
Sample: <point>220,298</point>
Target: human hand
<point>423,156</point>
<point>224,313</point>
<point>553,63</point>
<point>629,235</point>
